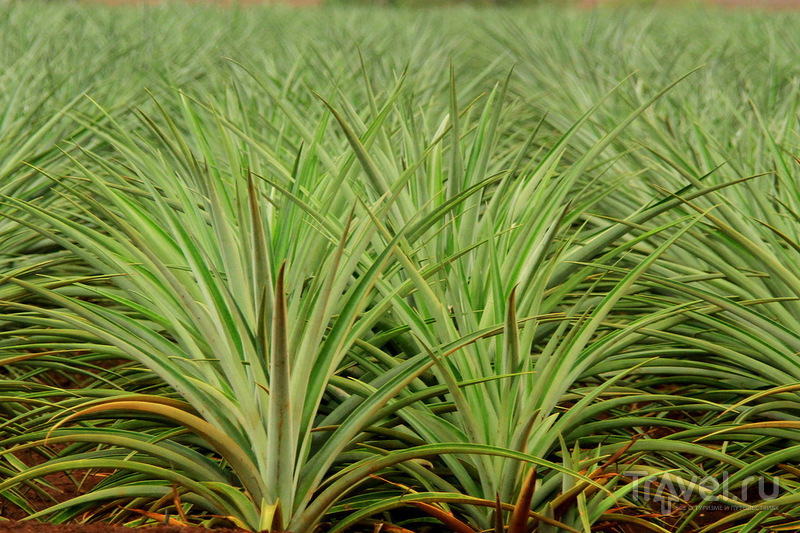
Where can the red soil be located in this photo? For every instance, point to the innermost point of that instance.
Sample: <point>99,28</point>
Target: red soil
<point>62,487</point>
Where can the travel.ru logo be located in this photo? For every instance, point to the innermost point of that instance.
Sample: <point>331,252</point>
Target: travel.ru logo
<point>709,492</point>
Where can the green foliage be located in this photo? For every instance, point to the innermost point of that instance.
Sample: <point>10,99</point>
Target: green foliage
<point>435,3</point>
<point>280,269</point>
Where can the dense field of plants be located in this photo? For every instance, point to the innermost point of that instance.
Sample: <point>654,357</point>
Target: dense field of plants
<point>468,270</point>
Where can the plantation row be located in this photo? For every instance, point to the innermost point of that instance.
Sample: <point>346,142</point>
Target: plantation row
<point>498,270</point>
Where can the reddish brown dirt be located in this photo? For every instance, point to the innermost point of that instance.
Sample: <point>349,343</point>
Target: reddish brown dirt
<point>62,486</point>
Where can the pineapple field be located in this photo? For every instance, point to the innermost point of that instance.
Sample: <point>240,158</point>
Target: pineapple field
<point>364,269</point>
